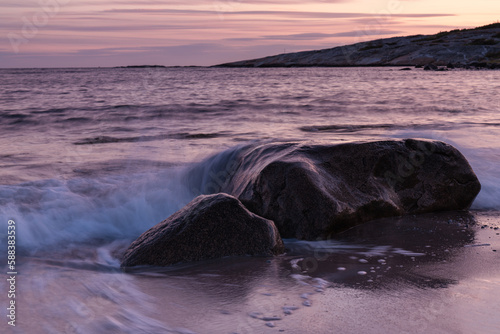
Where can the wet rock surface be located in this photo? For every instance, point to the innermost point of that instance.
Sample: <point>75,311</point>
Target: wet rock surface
<point>313,191</point>
<point>210,226</point>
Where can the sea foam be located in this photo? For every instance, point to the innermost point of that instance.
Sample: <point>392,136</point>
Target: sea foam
<point>54,212</point>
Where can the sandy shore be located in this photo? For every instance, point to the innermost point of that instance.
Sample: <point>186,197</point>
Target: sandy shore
<point>436,273</point>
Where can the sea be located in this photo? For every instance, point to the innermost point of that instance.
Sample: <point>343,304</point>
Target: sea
<point>90,158</point>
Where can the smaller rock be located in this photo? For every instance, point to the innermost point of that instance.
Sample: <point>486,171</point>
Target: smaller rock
<point>478,65</point>
<point>430,67</point>
<point>255,315</point>
<point>405,69</point>
<point>288,309</point>
<point>210,226</point>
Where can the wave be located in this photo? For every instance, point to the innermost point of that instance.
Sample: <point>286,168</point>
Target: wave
<point>90,209</point>
<point>109,139</point>
<point>15,116</point>
<point>485,163</point>
<point>345,128</point>
<point>349,128</point>
<point>213,173</point>
<point>78,119</point>
<point>50,111</point>
<point>54,212</point>
<point>110,114</point>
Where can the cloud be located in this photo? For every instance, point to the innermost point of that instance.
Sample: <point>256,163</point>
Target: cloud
<point>185,54</point>
<point>135,27</point>
<point>292,14</point>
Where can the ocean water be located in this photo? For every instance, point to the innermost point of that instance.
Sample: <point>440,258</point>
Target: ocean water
<point>91,158</point>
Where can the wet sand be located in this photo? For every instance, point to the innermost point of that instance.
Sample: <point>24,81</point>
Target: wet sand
<point>436,273</point>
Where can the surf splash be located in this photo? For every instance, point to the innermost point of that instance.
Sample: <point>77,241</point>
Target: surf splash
<point>53,212</point>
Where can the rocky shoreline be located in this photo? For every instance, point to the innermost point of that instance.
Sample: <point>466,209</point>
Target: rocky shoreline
<point>477,48</point>
<point>310,192</point>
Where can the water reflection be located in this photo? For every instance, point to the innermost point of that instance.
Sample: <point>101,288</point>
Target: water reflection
<point>377,253</point>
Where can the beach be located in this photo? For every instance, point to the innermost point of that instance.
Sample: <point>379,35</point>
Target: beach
<point>387,276</point>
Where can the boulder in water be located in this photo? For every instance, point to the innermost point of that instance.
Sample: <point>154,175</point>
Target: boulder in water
<point>312,191</point>
<point>210,226</point>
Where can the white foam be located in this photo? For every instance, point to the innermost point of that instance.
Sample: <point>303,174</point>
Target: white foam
<point>294,264</point>
<point>53,212</point>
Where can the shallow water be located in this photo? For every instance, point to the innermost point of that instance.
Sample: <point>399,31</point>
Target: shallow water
<point>425,274</point>
<point>91,158</point>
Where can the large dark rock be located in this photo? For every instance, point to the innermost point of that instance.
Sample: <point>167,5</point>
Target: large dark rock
<point>210,226</point>
<point>312,191</point>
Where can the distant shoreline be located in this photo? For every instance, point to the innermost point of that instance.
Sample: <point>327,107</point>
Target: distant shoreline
<point>477,48</point>
<point>470,66</point>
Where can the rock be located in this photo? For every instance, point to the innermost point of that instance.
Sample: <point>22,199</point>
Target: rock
<point>311,191</point>
<point>210,226</point>
<point>405,69</point>
<point>478,65</point>
<point>432,67</point>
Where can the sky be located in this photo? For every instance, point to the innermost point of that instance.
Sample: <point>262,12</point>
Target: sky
<point>92,33</point>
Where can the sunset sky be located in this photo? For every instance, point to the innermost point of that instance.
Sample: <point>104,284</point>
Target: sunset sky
<point>81,33</point>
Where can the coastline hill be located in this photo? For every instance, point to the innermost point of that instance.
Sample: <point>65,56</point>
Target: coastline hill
<point>477,47</point>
